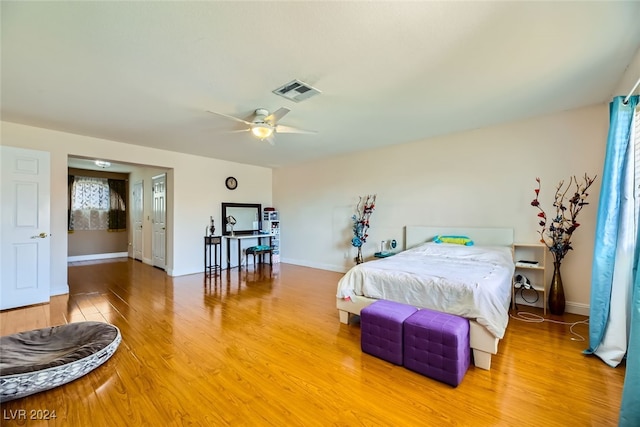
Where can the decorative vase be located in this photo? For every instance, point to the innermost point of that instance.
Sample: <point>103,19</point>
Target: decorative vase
<point>358,259</point>
<point>556,291</point>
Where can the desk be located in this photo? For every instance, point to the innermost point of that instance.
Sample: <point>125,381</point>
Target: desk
<point>239,238</point>
<point>212,242</point>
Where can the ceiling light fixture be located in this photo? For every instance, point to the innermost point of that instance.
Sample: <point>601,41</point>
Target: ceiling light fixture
<point>261,130</point>
<point>103,164</point>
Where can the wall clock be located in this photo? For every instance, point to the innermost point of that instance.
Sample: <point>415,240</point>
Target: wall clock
<point>231,183</point>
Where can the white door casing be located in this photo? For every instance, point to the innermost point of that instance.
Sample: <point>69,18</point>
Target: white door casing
<point>138,216</point>
<point>159,215</point>
<point>25,248</point>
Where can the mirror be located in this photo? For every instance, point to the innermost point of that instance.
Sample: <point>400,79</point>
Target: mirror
<point>247,216</point>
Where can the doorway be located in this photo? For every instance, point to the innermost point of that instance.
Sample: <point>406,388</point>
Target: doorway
<point>137,207</point>
<point>140,230</point>
<point>25,276</point>
<point>159,222</point>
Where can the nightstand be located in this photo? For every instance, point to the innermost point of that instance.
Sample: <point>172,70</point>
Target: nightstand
<point>534,271</point>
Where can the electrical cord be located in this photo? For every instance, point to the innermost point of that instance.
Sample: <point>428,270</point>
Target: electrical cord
<point>525,316</point>
<point>521,291</point>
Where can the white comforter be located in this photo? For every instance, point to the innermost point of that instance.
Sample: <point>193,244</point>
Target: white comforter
<point>468,281</point>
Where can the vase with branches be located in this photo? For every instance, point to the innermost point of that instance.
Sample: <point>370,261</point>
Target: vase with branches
<point>364,209</point>
<point>556,231</point>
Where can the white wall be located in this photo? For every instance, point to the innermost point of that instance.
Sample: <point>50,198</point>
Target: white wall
<point>195,191</point>
<point>629,78</point>
<point>479,178</point>
<point>484,177</point>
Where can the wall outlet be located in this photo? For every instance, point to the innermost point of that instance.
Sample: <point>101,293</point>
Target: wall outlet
<point>346,254</point>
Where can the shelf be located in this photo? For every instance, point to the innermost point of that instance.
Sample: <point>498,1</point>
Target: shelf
<point>536,287</point>
<point>530,267</point>
<point>271,223</point>
<point>536,274</point>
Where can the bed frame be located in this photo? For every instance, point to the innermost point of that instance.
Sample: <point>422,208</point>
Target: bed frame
<point>482,342</point>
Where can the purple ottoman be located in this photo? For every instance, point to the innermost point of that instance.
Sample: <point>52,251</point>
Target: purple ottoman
<point>381,329</point>
<point>437,345</point>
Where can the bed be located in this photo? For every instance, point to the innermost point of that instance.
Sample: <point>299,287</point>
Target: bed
<point>41,359</point>
<point>469,281</point>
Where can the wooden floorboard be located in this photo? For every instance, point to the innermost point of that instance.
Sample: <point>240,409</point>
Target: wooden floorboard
<point>266,348</point>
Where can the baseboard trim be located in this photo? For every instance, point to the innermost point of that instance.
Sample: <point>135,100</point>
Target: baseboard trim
<point>329,267</point>
<point>97,256</point>
<point>577,308</point>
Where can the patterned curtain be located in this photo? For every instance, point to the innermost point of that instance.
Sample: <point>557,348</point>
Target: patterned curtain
<point>117,211</point>
<point>90,203</point>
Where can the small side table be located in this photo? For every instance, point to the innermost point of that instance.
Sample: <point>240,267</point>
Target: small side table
<point>212,243</point>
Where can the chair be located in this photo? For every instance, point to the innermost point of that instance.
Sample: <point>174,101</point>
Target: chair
<point>258,250</point>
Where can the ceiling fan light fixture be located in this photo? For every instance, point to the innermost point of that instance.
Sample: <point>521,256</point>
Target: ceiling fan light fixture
<point>261,130</point>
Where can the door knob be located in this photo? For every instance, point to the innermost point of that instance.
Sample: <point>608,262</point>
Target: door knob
<point>40,236</point>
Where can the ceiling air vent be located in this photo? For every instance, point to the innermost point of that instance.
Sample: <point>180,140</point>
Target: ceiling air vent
<point>296,91</point>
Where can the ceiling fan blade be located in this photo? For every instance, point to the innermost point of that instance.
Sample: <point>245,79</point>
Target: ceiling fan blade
<point>271,140</point>
<point>230,117</point>
<point>289,129</point>
<point>274,117</point>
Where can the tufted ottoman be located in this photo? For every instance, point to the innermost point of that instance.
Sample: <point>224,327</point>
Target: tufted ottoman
<point>258,250</point>
<point>437,345</point>
<point>381,326</point>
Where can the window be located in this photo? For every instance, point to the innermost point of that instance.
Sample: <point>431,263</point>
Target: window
<point>96,203</point>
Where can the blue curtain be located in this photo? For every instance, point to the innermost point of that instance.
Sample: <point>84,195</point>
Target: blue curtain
<point>621,116</point>
<point>630,410</point>
<point>612,251</point>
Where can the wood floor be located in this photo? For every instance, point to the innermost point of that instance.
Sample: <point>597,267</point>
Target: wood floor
<point>253,349</point>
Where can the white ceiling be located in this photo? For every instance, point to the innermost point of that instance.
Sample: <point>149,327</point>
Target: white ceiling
<point>145,73</point>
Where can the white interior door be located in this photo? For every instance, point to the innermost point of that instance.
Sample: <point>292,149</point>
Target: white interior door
<point>159,214</point>
<point>25,219</point>
<point>138,216</point>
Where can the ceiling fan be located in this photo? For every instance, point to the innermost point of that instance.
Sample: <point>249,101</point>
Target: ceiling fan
<point>265,124</point>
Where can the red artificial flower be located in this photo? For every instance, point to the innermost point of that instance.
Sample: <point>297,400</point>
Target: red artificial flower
<point>556,237</point>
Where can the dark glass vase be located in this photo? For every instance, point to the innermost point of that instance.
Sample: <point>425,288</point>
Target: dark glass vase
<point>358,259</point>
<point>556,291</point>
